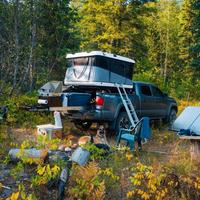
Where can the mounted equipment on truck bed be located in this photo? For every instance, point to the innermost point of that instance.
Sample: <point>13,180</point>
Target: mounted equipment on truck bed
<point>98,68</point>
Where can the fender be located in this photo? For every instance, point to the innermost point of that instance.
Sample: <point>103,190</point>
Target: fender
<point>120,107</point>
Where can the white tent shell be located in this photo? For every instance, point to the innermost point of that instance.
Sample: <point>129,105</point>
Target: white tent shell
<point>99,69</point>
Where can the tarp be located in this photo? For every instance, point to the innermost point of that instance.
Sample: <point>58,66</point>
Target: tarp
<point>189,119</point>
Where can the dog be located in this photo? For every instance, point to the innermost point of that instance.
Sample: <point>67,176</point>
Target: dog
<point>99,138</point>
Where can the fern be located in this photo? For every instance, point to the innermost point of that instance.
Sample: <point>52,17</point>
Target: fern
<point>86,184</point>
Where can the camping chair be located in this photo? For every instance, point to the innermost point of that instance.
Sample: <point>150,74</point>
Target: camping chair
<point>141,131</point>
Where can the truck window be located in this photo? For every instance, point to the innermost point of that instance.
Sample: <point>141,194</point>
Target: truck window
<point>146,90</point>
<point>156,92</point>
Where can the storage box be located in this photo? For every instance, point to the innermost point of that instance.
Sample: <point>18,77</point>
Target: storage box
<point>76,99</point>
<point>49,130</point>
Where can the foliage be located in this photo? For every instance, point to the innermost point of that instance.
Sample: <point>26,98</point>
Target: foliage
<point>17,115</point>
<point>86,183</point>
<point>44,174</point>
<point>22,194</point>
<point>113,26</point>
<point>148,183</point>
<point>34,36</point>
<point>95,152</point>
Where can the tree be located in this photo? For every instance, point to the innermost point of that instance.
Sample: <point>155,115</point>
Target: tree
<point>113,26</point>
<point>162,36</point>
<point>189,47</point>
<point>186,35</point>
<point>195,48</point>
<point>34,37</point>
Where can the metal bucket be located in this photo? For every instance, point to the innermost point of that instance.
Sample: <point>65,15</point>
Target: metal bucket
<point>80,156</point>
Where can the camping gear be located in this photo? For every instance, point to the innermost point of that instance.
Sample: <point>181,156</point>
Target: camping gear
<point>51,88</point>
<point>188,127</point>
<point>50,130</point>
<point>141,131</point>
<point>75,99</point>
<point>50,101</point>
<point>98,68</point>
<point>34,154</point>
<point>55,156</point>
<point>80,156</point>
<point>188,122</point>
<point>64,177</point>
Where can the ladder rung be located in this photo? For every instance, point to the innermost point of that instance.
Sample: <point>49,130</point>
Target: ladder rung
<point>127,104</point>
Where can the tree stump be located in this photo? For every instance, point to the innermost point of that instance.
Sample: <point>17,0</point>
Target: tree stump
<point>194,146</point>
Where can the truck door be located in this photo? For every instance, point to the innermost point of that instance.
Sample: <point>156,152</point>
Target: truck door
<point>160,102</point>
<point>135,100</point>
<point>146,101</point>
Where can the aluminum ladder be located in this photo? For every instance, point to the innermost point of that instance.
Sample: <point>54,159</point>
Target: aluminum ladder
<point>128,105</point>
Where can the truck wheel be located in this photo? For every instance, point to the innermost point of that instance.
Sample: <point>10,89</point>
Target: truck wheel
<point>82,125</point>
<point>172,117</point>
<point>122,122</point>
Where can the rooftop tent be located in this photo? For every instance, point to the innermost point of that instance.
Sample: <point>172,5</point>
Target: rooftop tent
<point>98,68</point>
<point>189,119</point>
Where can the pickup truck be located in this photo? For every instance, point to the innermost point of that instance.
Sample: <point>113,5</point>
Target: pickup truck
<point>105,105</point>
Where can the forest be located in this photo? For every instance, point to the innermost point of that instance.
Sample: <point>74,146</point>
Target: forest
<point>162,36</point>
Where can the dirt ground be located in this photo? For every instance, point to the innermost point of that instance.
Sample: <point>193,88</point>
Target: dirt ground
<point>162,148</point>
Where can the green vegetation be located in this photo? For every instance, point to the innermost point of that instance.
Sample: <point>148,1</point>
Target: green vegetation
<point>162,36</point>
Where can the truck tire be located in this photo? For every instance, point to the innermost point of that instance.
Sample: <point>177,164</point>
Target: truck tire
<point>122,122</point>
<point>171,117</point>
<point>82,125</point>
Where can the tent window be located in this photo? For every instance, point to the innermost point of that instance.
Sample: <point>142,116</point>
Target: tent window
<point>128,70</point>
<point>81,61</point>
<point>100,61</point>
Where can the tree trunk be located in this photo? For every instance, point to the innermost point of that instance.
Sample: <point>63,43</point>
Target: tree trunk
<point>166,50</point>
<point>16,28</point>
<point>33,34</point>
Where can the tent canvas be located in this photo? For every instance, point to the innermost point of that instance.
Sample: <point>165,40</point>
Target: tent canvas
<point>188,119</point>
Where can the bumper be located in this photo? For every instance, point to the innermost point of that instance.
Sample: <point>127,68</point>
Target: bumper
<point>80,113</point>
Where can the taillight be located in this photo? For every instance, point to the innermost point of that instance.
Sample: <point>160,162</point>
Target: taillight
<point>99,101</point>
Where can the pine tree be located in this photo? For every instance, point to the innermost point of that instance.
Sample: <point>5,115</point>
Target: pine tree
<point>189,47</point>
<point>162,36</point>
<point>113,26</point>
<point>195,48</point>
<point>186,34</point>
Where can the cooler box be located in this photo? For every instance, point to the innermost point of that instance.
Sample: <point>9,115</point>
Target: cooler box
<point>76,99</point>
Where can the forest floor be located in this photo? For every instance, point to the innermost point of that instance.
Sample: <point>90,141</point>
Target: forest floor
<point>163,149</point>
